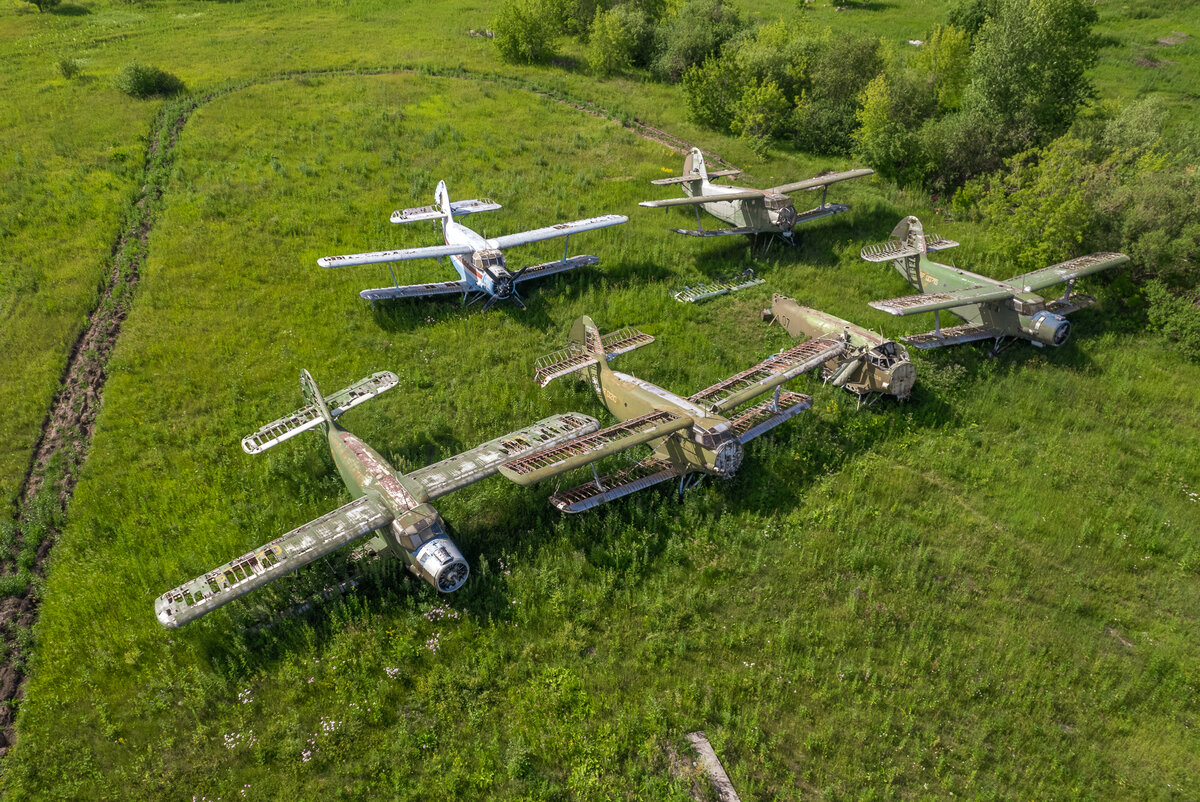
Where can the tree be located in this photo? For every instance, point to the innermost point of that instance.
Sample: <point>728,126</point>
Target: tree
<point>699,29</point>
<point>525,31</point>
<point>761,115</point>
<point>620,38</point>
<point>885,140</point>
<point>946,59</point>
<point>45,5</point>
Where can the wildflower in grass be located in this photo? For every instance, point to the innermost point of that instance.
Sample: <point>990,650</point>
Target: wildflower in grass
<point>434,642</point>
<point>392,672</point>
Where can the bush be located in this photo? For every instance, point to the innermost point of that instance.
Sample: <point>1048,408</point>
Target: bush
<point>141,81</point>
<point>45,5</point>
<point>526,31</point>
<point>1177,317</point>
<point>69,67</point>
<point>761,115</point>
<point>699,30</point>
<point>620,38</point>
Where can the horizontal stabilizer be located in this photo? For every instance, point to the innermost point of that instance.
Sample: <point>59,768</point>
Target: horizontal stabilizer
<point>560,230</point>
<point>1067,271</point>
<point>931,302</point>
<point>283,555</point>
<point>822,180</point>
<point>415,291</point>
<point>898,249</point>
<point>955,335</point>
<point>544,463</point>
<point>764,417</point>
<point>737,194</point>
<point>715,232</point>
<point>768,374</point>
<point>457,208</point>
<point>400,255</point>
<point>557,266</point>
<point>591,494</point>
<point>484,460</point>
<point>576,357</point>
<point>719,287</point>
<point>309,417</point>
<point>687,179</point>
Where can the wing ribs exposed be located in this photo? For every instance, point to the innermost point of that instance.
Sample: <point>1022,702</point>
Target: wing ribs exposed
<point>775,370</point>
<point>644,474</point>
<point>766,416</point>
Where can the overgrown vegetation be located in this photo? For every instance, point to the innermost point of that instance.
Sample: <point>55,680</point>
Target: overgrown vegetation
<point>881,603</point>
<point>143,81</point>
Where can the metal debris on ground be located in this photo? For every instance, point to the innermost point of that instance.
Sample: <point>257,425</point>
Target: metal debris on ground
<point>722,286</point>
<point>716,772</point>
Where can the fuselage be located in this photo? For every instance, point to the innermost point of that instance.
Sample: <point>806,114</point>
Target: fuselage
<point>707,446</point>
<point>484,269</point>
<point>741,213</point>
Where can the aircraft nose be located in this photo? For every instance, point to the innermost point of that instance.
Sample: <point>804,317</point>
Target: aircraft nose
<point>902,379</point>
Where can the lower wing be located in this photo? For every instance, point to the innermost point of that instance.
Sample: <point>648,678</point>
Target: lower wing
<point>416,291</point>
<point>768,374</point>
<point>265,564</point>
<point>955,335</point>
<point>557,266</point>
<point>715,232</point>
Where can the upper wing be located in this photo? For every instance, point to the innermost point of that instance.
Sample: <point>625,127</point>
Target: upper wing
<point>929,302</point>
<point>745,194</point>
<point>768,374</point>
<point>283,555</point>
<point>482,461</point>
<point>1066,271</point>
<point>457,208</point>
<point>547,462</point>
<point>427,252</point>
<point>822,180</point>
<point>560,230</point>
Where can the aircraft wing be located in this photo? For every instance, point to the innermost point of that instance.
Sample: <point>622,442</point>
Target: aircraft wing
<point>415,291</point>
<point>930,302</point>
<point>745,194</point>
<point>547,462</point>
<point>715,232</point>
<point>283,555</point>
<point>822,180</point>
<point>955,335</point>
<point>560,230</point>
<point>457,208</point>
<point>482,461</point>
<point>768,374</point>
<point>1066,271</point>
<point>557,266</point>
<point>403,254</point>
<point>687,179</point>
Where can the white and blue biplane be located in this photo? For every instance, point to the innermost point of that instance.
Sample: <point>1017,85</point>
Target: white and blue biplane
<point>479,261</point>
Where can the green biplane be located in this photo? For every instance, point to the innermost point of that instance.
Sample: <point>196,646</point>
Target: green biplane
<point>1004,311</point>
<point>703,434</point>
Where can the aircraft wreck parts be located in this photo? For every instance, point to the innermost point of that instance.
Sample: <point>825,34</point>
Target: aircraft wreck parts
<point>747,210</point>
<point>870,363</point>
<point>722,285</point>
<point>480,263</point>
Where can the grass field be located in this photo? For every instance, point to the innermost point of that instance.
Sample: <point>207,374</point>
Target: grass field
<point>989,591</point>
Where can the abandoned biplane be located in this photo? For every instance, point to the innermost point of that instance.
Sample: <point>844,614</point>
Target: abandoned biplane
<point>393,503</point>
<point>870,363</point>
<point>480,262</point>
<point>750,211</point>
<point>690,437</point>
<point>1004,311</point>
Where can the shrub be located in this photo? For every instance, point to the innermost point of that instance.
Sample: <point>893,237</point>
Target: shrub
<point>761,115</point>
<point>141,81</point>
<point>45,5</point>
<point>619,39</point>
<point>699,29</point>
<point>1177,317</point>
<point>526,31</point>
<point>69,67</point>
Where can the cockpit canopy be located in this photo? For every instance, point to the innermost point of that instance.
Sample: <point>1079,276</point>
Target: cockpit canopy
<point>886,355</point>
<point>491,257</point>
<point>776,201</point>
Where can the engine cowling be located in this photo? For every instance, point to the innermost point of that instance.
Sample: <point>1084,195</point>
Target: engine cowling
<point>1047,328</point>
<point>429,552</point>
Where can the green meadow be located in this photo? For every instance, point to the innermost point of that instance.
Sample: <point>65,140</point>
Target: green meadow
<point>990,591</point>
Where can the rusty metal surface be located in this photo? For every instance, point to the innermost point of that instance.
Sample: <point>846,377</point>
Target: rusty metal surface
<point>557,266</point>
<point>952,336</point>
<point>637,477</point>
<point>761,418</point>
<point>769,373</point>
<point>297,548</point>
<point>575,453</point>
<point>484,460</point>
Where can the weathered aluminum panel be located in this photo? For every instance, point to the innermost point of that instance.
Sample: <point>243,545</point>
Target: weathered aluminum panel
<point>398,255</point>
<point>898,249</point>
<point>768,374</point>
<point>579,355</point>
<point>284,554</point>
<point>559,230</point>
<point>687,179</point>
<point>484,460</point>
<point>818,212</point>
<point>954,335</point>
<point>415,291</point>
<point>929,302</point>
<point>822,180</point>
<point>716,232</point>
<point>309,417</point>
<point>544,463</point>
<point>693,200</point>
<point>720,287</point>
<point>767,415</point>
<point>1066,271</point>
<point>613,486</point>
<point>457,208</point>
<point>557,266</point>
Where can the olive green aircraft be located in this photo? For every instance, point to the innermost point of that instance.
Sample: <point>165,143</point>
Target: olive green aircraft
<point>870,365</point>
<point>1004,311</point>
<point>385,500</point>
<point>749,211</point>
<point>703,434</point>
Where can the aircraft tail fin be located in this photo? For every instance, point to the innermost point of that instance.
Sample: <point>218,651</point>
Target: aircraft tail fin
<point>588,348</point>
<point>319,411</point>
<point>441,198</point>
<point>693,164</point>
